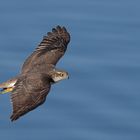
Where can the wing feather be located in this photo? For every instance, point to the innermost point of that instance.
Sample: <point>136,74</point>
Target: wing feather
<point>29,94</point>
<point>50,50</point>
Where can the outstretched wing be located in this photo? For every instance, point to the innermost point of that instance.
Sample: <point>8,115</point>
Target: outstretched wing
<point>28,94</point>
<point>50,50</point>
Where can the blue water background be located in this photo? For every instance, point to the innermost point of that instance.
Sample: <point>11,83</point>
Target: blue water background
<point>101,100</point>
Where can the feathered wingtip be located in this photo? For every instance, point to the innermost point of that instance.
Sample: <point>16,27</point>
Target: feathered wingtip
<point>62,31</point>
<point>57,32</point>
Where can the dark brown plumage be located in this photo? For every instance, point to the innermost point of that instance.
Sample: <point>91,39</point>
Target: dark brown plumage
<point>34,81</point>
<point>50,50</point>
<point>30,91</point>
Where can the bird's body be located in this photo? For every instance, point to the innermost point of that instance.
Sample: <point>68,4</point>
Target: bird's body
<point>30,88</point>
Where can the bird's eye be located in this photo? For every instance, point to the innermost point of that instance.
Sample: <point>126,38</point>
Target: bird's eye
<point>61,74</point>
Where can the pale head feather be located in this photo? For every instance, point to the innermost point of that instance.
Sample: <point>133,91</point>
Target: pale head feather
<point>59,75</point>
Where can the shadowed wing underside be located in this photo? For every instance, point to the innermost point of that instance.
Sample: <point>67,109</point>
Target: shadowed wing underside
<point>30,92</point>
<point>50,50</point>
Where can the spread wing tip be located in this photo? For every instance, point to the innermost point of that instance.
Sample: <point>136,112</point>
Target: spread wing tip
<point>54,38</point>
<point>60,31</point>
<point>14,117</point>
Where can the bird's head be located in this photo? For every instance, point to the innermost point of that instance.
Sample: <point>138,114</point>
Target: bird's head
<point>59,75</point>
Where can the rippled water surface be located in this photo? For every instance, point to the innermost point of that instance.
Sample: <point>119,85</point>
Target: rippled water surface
<point>101,100</point>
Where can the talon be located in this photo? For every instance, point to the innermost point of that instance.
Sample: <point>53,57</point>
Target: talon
<point>6,90</point>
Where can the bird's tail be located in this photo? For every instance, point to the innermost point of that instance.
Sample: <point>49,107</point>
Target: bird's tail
<point>8,86</point>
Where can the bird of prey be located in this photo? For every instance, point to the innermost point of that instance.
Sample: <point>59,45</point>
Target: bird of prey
<point>30,88</point>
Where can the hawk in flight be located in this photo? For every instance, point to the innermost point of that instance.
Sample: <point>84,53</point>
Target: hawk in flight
<point>30,88</point>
